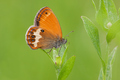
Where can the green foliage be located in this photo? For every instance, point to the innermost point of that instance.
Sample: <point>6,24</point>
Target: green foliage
<point>62,65</point>
<point>108,74</point>
<point>101,14</point>
<point>63,56</point>
<point>94,5</point>
<point>106,13</point>
<point>109,64</point>
<point>111,11</point>
<point>66,69</point>
<point>114,29</point>
<point>107,17</point>
<point>101,75</point>
<point>93,33</point>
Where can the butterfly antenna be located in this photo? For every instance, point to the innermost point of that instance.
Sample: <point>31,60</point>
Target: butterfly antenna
<point>68,34</point>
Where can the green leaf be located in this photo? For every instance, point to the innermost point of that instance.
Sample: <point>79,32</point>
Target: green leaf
<point>114,29</point>
<point>94,5</point>
<point>101,75</point>
<point>65,71</point>
<point>55,54</point>
<point>103,66</point>
<point>64,57</point>
<point>63,49</point>
<point>109,64</point>
<point>62,53</point>
<point>106,13</point>
<point>93,33</point>
<point>111,10</point>
<point>101,14</point>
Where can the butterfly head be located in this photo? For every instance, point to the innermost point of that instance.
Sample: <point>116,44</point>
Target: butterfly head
<point>60,42</point>
<point>64,41</point>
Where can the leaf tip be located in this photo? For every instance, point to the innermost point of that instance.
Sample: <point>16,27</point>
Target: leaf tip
<point>81,17</point>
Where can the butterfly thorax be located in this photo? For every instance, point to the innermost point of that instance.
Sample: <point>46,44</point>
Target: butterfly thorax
<point>60,42</point>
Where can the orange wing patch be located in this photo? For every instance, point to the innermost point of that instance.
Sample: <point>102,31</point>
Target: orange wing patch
<point>46,19</point>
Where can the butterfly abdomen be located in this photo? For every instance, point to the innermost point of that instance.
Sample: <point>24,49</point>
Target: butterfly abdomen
<point>33,36</point>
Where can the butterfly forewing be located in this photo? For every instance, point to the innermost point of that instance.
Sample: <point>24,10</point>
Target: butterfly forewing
<point>46,19</point>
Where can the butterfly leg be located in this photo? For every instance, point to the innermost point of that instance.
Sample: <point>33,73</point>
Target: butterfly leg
<point>50,51</point>
<point>59,51</point>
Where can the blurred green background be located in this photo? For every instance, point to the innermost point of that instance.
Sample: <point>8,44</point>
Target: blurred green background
<point>19,62</point>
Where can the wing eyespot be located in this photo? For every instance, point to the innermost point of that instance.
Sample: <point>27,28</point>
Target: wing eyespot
<point>46,13</point>
<point>33,40</point>
<point>33,36</point>
<point>42,30</point>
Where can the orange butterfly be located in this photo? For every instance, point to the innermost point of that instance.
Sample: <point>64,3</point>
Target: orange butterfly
<point>46,32</point>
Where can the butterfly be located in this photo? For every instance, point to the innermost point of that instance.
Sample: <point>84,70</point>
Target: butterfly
<point>46,32</point>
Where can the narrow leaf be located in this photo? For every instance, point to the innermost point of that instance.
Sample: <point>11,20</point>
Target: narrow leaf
<point>62,50</point>
<point>94,5</point>
<point>109,65</point>
<point>111,10</point>
<point>114,29</point>
<point>112,55</point>
<point>64,58</point>
<point>55,54</point>
<point>103,66</point>
<point>101,14</point>
<point>93,33</point>
<point>65,71</point>
<point>101,75</point>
